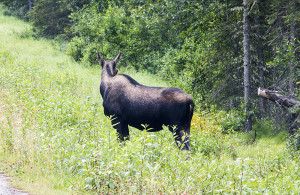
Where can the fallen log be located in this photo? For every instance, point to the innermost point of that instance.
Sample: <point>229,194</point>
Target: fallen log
<point>274,96</point>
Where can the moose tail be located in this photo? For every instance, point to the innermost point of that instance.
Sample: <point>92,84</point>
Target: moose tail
<point>190,110</point>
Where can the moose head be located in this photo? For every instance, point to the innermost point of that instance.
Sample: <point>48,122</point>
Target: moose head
<point>109,66</point>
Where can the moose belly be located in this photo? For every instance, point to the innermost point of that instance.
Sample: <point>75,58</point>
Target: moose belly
<point>147,120</point>
<point>151,127</point>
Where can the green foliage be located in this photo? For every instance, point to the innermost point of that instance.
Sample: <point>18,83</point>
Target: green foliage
<point>266,128</point>
<point>233,121</point>
<point>17,8</point>
<point>187,69</point>
<point>295,139</point>
<point>285,55</point>
<point>51,17</point>
<point>139,36</point>
<point>97,32</point>
<point>294,143</point>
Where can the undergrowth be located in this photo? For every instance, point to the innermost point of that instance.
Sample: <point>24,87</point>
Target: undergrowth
<point>53,127</point>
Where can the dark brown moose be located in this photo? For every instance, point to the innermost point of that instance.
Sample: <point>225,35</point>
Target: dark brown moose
<point>129,103</point>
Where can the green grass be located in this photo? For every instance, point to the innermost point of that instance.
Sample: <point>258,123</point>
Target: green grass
<point>54,138</point>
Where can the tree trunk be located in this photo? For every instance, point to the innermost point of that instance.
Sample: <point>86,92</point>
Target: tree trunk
<point>246,43</point>
<point>30,4</point>
<point>293,36</point>
<point>274,96</point>
<point>261,62</point>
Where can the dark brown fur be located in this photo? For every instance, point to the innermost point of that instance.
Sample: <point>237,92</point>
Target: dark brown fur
<point>130,103</point>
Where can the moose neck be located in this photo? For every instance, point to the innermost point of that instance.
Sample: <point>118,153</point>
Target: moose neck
<point>106,73</point>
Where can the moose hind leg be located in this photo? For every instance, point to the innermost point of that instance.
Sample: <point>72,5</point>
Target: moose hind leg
<point>185,130</point>
<point>122,128</point>
<point>182,137</point>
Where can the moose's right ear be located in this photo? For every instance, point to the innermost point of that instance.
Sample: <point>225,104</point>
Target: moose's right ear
<point>118,57</point>
<point>100,59</point>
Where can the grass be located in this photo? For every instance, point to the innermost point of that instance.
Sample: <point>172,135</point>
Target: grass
<point>54,138</point>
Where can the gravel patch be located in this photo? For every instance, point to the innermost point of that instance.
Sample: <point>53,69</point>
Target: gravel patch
<point>5,188</point>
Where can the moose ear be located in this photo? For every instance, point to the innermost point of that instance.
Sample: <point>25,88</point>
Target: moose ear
<point>100,59</point>
<point>118,57</point>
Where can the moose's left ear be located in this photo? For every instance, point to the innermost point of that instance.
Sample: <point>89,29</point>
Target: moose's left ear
<point>118,57</point>
<point>100,59</point>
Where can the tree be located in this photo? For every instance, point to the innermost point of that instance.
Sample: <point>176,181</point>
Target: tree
<point>51,17</point>
<point>260,54</point>
<point>18,8</point>
<point>246,43</point>
<point>293,37</point>
<point>29,4</point>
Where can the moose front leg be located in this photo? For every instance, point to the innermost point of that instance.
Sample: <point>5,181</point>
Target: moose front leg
<point>121,127</point>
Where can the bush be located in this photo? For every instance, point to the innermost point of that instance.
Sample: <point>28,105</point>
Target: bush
<point>97,32</point>
<point>233,121</point>
<point>75,48</point>
<point>17,8</point>
<point>296,140</point>
<point>143,38</point>
<point>264,128</point>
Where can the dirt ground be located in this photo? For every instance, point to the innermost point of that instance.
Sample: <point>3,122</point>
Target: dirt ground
<point>5,188</point>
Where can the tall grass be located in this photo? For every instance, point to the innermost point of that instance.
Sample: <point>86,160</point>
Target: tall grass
<point>53,130</point>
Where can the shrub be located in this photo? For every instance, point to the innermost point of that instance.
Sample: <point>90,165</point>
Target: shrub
<point>233,121</point>
<point>17,8</point>
<point>75,48</point>
<point>296,140</point>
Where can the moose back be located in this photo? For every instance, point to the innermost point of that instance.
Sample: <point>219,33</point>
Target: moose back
<point>129,103</point>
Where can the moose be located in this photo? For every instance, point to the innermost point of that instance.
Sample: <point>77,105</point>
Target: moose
<point>129,103</point>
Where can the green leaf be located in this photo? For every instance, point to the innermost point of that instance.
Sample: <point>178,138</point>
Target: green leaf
<point>245,166</point>
<point>111,184</point>
<point>89,180</point>
<point>81,171</point>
